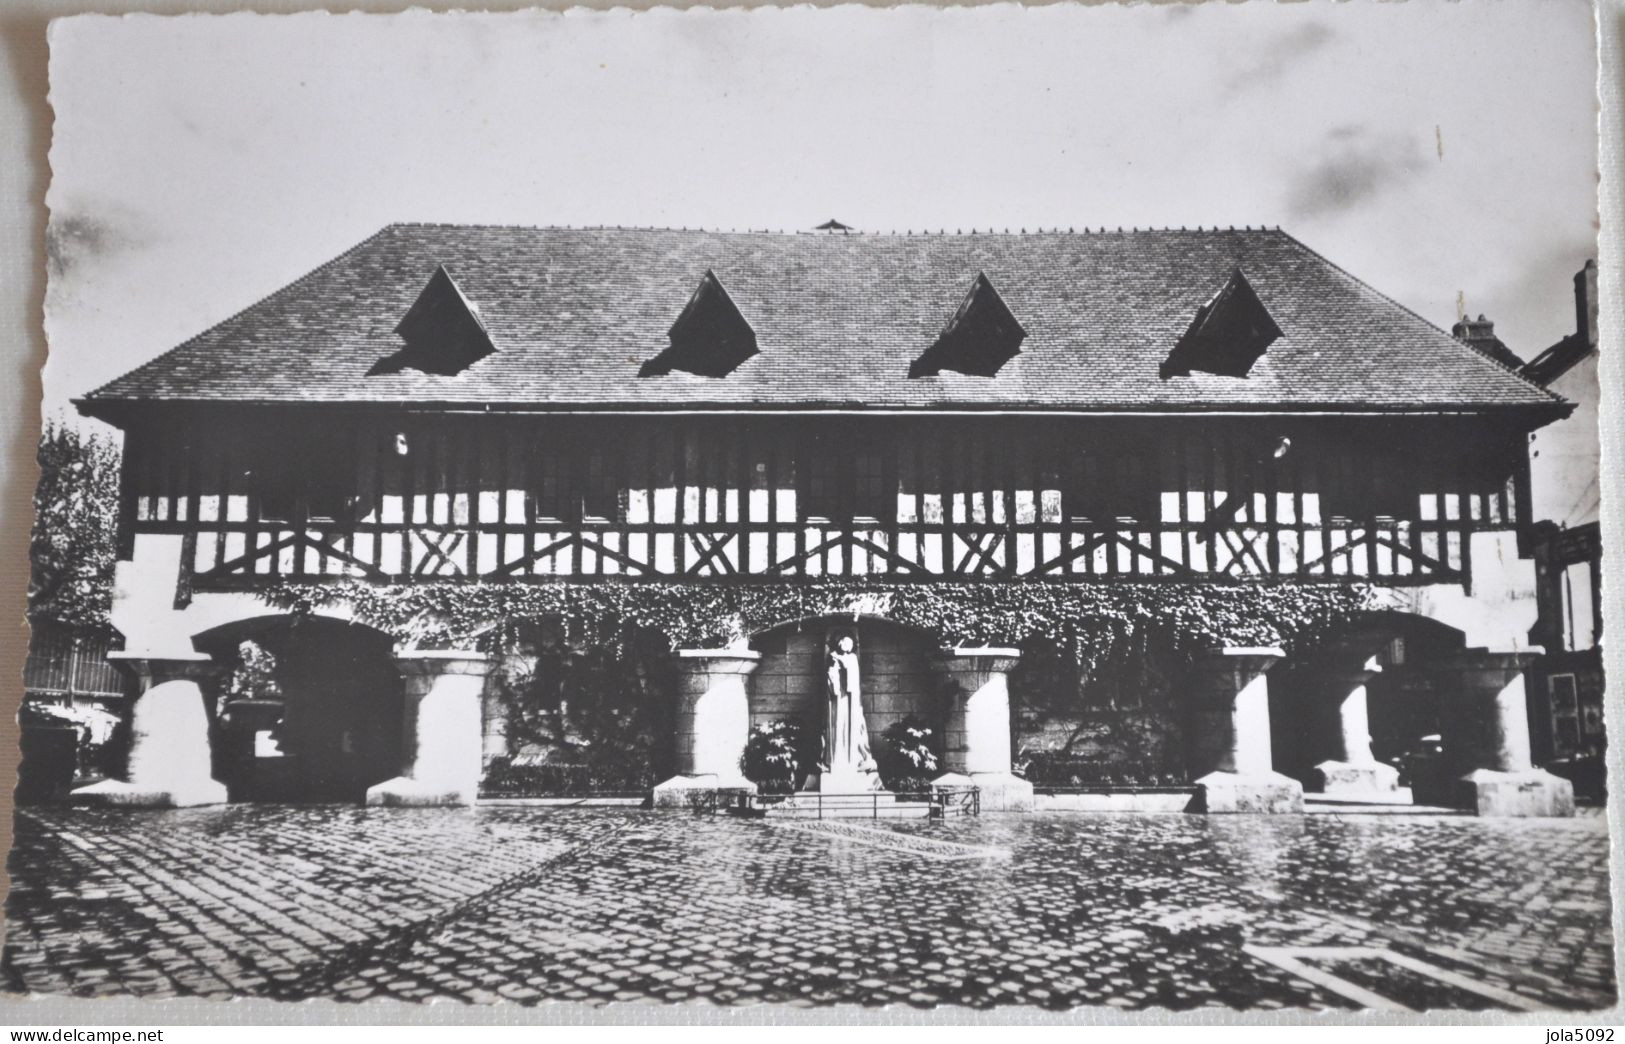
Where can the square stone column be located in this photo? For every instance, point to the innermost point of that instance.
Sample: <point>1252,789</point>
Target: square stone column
<point>712,724</point>
<point>1230,742</point>
<point>440,752</point>
<point>977,746</point>
<point>1485,728</point>
<point>169,764</point>
<point>1350,770</point>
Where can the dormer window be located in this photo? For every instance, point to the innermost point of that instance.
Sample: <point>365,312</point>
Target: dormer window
<point>710,337</point>
<point>443,331</point>
<point>1227,336</point>
<point>982,336</point>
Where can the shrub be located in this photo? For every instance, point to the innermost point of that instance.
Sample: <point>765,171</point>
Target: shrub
<point>1046,768</point>
<point>555,779</point>
<point>906,759</point>
<point>775,757</point>
<point>94,729</point>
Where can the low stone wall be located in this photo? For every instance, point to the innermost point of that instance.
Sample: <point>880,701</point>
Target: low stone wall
<point>1157,800</point>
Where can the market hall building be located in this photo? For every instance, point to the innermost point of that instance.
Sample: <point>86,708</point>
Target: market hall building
<point>1099,509</point>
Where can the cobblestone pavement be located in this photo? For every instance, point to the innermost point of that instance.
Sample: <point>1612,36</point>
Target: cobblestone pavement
<point>598,906</point>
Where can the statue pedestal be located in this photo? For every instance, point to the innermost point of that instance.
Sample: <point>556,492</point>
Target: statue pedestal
<point>850,781</point>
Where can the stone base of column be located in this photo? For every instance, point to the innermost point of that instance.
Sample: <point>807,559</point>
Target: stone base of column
<point>1000,791</point>
<point>169,742</point>
<point>1342,779</point>
<point>135,795</point>
<point>681,791</point>
<point>1264,792</point>
<point>406,792</point>
<point>1530,793</point>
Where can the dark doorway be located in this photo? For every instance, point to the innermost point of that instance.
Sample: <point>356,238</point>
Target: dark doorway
<point>1403,698</point>
<point>310,711</point>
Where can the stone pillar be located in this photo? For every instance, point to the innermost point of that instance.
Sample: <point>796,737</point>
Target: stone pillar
<point>169,737</point>
<point>440,751</point>
<point>493,725</point>
<point>1350,770</point>
<point>977,738</point>
<point>1230,741</point>
<point>1485,728</point>
<point>712,724</point>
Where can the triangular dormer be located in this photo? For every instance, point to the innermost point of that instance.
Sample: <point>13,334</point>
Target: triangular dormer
<point>710,337</point>
<point>1228,334</point>
<point>443,331</point>
<point>982,336</point>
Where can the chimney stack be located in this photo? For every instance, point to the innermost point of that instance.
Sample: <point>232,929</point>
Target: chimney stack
<point>1480,334</point>
<point>1474,331</point>
<point>1585,303</point>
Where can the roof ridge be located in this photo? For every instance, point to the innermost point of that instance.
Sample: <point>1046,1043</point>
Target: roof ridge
<point>942,231</point>
<point>1498,364</point>
<point>286,288</point>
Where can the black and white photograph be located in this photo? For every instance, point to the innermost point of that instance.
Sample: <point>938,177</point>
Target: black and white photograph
<point>1005,511</point>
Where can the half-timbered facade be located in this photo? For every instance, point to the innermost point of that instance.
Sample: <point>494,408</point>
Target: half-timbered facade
<point>406,498</point>
<point>510,405</point>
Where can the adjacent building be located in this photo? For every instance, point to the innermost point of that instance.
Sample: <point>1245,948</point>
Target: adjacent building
<point>1566,542</point>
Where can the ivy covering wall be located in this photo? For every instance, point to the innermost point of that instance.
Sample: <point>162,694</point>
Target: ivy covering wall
<point>582,667</point>
<point>1090,623</point>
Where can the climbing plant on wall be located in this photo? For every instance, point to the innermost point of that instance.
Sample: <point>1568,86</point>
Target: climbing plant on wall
<point>578,718</point>
<point>1090,621</point>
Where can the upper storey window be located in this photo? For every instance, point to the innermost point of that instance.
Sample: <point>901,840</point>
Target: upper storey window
<point>576,488</point>
<point>296,478</point>
<point>1227,336</point>
<point>842,483</point>
<point>1110,486</point>
<point>710,337</point>
<point>443,331</point>
<point>982,336</point>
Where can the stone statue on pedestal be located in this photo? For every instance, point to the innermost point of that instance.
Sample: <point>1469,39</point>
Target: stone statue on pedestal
<point>848,765</point>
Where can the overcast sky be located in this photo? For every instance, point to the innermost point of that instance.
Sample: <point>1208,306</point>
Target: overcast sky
<point>1433,149</point>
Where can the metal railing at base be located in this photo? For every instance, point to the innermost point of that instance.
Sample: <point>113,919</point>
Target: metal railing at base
<point>937,803</point>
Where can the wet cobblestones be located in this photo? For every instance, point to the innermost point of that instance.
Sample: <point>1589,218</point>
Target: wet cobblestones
<point>528,905</point>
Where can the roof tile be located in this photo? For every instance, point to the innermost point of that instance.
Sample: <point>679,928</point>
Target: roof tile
<point>838,319</point>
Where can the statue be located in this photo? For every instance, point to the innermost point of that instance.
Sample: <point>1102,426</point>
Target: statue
<point>848,766</point>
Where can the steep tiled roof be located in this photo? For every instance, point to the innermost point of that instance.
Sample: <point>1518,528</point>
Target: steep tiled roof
<point>838,319</point>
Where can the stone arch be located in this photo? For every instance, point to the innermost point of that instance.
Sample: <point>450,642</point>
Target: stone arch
<point>899,677</point>
<point>1372,694</point>
<point>321,720</point>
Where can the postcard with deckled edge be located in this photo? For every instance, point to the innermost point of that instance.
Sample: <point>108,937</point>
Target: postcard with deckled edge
<point>995,512</point>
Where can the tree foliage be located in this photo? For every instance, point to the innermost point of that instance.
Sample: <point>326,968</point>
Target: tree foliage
<point>75,537</point>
